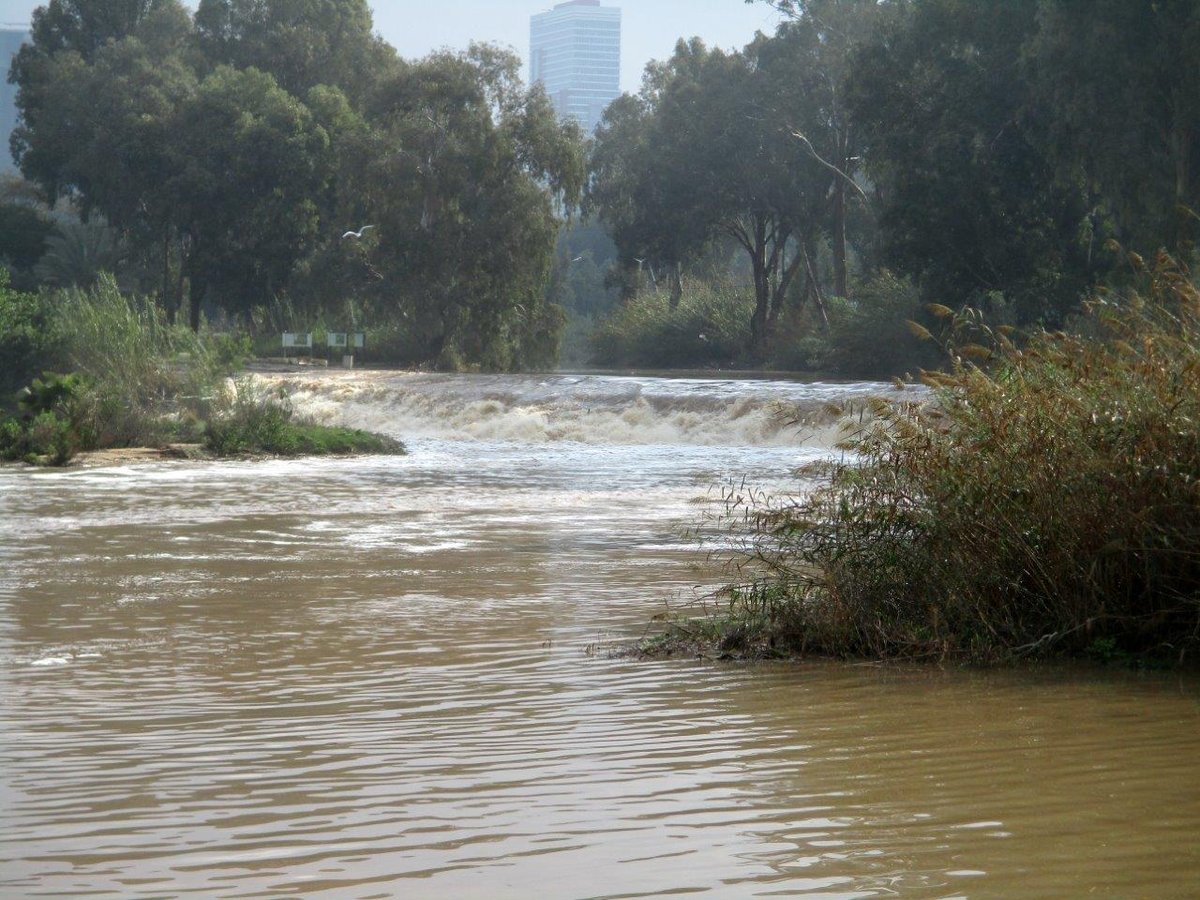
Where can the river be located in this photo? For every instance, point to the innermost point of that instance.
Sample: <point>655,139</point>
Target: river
<point>387,677</point>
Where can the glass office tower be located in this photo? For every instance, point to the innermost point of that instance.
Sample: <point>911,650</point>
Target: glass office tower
<point>575,52</point>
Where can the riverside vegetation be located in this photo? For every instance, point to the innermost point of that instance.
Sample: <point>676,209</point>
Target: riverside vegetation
<point>133,380</point>
<point>1044,501</point>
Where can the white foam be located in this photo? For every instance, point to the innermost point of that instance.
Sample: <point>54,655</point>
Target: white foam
<point>599,410</point>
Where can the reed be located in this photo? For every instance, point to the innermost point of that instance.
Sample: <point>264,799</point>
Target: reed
<point>1045,501</point>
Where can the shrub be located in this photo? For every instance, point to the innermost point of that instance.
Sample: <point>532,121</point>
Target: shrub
<point>709,327</point>
<point>51,438</point>
<point>1046,500</point>
<point>28,338</point>
<point>868,336</point>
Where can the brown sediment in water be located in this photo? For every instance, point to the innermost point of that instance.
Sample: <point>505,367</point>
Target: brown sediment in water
<point>304,678</point>
<point>119,456</point>
<point>122,456</point>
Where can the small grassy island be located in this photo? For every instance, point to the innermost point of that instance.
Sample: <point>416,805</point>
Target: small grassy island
<point>135,381</point>
<point>1043,501</point>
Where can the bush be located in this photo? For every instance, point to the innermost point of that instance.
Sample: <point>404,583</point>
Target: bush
<point>48,432</point>
<point>868,336</point>
<point>709,327</point>
<point>28,338</point>
<point>1046,502</point>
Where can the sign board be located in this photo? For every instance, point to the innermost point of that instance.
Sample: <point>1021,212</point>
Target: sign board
<point>294,340</point>
<point>337,339</point>
<point>360,340</point>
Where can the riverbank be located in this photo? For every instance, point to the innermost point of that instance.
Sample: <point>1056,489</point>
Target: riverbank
<point>250,427</point>
<point>1045,504</point>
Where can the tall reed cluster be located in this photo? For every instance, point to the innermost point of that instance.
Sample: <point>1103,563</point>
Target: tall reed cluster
<point>1044,500</point>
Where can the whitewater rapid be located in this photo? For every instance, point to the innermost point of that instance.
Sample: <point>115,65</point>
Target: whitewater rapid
<point>601,410</point>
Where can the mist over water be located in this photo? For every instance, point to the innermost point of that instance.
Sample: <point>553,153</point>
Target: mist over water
<point>377,678</point>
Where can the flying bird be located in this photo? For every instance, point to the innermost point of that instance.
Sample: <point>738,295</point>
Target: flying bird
<point>359,233</point>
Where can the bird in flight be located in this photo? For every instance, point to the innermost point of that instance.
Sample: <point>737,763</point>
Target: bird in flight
<point>359,233</point>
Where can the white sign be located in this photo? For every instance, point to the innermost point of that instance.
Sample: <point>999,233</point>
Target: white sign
<point>337,339</point>
<point>295,340</point>
<point>360,340</point>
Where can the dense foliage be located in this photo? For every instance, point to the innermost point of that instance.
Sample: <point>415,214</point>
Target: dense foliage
<point>229,151</point>
<point>134,379</point>
<point>987,153</point>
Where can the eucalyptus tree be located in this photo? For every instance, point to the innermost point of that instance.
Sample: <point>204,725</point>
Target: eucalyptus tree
<point>250,163</point>
<point>708,150</point>
<point>302,43</point>
<point>67,37</point>
<point>971,199</point>
<point>469,174</point>
<point>821,42</point>
<point>101,133</point>
<point>1118,82</point>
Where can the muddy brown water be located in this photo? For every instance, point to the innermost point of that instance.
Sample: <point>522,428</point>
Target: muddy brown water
<point>371,678</point>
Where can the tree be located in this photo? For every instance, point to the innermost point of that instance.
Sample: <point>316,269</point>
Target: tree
<point>708,150</point>
<point>464,190</point>
<point>68,34</point>
<point>78,254</point>
<point>24,231</point>
<point>970,200</point>
<point>829,31</point>
<point>1117,81</point>
<point>250,161</point>
<point>302,43</point>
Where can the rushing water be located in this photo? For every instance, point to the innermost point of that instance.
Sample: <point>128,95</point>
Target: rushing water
<point>371,678</point>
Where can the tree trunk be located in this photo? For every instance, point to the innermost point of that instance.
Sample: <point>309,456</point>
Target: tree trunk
<point>838,239</point>
<point>759,325</point>
<point>180,284</point>
<point>1184,213</point>
<point>165,294</point>
<point>783,284</point>
<point>815,285</point>
<point>676,285</point>
<point>198,289</point>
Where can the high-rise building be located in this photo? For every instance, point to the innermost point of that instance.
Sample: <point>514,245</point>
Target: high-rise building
<point>575,52</point>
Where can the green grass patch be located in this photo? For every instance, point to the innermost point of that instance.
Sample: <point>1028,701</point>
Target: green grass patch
<point>257,424</point>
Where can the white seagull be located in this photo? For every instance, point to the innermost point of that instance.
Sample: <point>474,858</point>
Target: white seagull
<point>359,233</point>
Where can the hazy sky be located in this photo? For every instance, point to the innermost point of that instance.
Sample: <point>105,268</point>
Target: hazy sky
<point>649,27</point>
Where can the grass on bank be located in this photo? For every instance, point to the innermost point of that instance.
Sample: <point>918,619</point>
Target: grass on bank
<point>709,327</point>
<point>259,424</point>
<point>1046,501</point>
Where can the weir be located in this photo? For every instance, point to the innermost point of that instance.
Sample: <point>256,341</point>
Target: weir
<point>587,409</point>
